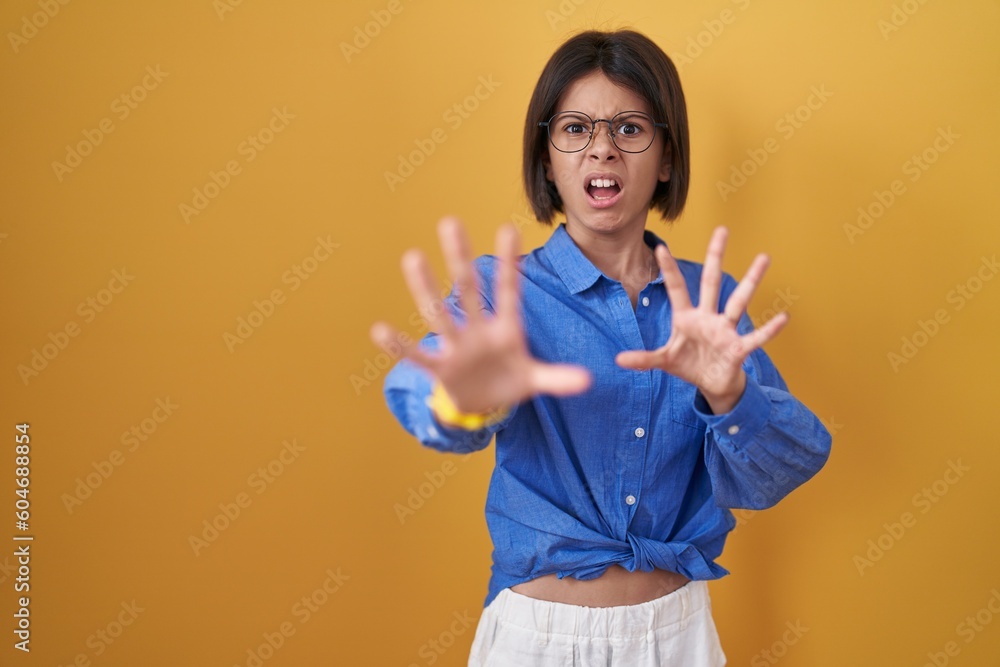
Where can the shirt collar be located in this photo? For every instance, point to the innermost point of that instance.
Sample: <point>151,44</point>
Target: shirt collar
<point>576,271</point>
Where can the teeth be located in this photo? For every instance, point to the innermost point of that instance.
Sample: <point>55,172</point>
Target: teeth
<point>603,182</point>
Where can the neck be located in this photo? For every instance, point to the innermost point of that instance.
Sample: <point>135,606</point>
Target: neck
<point>620,254</point>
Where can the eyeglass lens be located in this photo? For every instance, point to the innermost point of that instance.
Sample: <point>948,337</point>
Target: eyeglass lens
<point>631,131</point>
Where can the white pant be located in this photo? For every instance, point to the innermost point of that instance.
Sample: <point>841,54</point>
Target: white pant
<point>676,629</point>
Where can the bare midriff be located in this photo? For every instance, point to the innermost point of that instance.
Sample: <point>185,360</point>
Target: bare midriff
<point>616,587</point>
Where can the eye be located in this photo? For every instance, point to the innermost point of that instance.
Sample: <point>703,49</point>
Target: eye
<point>629,129</point>
<point>572,125</point>
<point>632,126</point>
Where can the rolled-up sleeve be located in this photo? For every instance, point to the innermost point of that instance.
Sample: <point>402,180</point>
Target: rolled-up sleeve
<point>768,444</point>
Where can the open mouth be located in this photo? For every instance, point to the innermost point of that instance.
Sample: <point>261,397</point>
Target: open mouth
<point>603,191</point>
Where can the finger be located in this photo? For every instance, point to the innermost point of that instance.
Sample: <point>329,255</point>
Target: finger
<point>639,360</point>
<point>711,274</point>
<point>426,292</point>
<point>740,298</point>
<point>677,290</point>
<point>458,257</point>
<point>386,337</point>
<point>508,289</point>
<point>767,331</point>
<point>559,379</point>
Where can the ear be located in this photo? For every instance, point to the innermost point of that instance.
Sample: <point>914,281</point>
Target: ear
<point>547,163</point>
<point>665,164</point>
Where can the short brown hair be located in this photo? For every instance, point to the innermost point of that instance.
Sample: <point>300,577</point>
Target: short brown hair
<point>633,61</point>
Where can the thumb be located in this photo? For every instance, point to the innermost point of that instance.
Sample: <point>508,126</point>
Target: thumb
<point>636,359</point>
<point>560,379</point>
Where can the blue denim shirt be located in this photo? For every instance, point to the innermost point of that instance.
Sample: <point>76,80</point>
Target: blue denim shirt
<point>635,471</point>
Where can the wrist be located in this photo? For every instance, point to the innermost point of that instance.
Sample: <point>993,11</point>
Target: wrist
<point>724,401</point>
<point>447,412</point>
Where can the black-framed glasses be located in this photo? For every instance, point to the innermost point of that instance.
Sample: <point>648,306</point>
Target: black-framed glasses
<point>630,131</point>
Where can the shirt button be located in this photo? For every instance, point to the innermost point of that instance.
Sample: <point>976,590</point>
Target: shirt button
<point>639,432</point>
<point>630,499</point>
<point>734,429</point>
<point>645,300</point>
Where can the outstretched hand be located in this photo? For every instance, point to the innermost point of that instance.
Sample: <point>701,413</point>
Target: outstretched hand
<point>704,347</point>
<point>485,364</point>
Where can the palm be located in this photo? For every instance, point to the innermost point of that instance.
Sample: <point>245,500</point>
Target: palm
<point>704,347</point>
<point>701,350</point>
<point>484,363</point>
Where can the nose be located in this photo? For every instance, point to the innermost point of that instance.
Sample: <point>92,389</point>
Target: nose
<point>602,147</point>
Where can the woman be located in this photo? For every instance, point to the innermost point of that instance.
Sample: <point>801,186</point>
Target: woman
<point>632,408</point>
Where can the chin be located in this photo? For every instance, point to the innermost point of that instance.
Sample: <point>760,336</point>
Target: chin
<point>606,220</point>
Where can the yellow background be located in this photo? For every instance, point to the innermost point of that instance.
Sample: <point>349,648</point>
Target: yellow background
<point>333,506</point>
